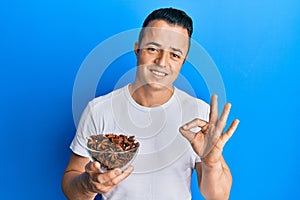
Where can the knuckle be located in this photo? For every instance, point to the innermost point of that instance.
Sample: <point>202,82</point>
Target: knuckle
<point>99,187</point>
<point>111,173</point>
<point>94,187</point>
<point>98,180</point>
<point>87,168</point>
<point>105,190</point>
<point>109,176</point>
<point>114,182</point>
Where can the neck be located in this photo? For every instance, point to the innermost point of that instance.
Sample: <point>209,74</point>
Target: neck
<point>150,97</point>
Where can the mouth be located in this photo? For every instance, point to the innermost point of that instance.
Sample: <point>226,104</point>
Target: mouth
<point>158,73</point>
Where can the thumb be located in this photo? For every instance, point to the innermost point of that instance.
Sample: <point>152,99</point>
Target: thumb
<point>92,166</point>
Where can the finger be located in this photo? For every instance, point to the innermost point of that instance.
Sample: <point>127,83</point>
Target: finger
<point>194,123</point>
<point>224,116</point>
<point>227,135</point>
<point>205,128</point>
<point>213,115</point>
<point>92,167</point>
<point>106,178</point>
<point>211,138</point>
<point>123,175</point>
<point>115,177</point>
<point>114,173</point>
<point>189,135</point>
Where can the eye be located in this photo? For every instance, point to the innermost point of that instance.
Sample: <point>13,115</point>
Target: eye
<point>175,56</point>
<point>151,49</point>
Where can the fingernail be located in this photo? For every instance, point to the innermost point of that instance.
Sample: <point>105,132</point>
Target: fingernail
<point>96,164</point>
<point>118,171</point>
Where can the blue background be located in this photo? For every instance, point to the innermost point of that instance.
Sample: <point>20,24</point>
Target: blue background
<point>255,45</point>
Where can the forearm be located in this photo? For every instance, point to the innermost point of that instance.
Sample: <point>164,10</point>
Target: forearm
<point>75,187</point>
<point>216,181</point>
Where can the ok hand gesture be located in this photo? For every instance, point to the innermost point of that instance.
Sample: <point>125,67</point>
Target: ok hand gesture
<point>209,142</point>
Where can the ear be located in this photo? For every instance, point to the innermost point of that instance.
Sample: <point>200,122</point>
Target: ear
<point>136,49</point>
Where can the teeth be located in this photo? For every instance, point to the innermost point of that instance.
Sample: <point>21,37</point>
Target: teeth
<point>158,73</point>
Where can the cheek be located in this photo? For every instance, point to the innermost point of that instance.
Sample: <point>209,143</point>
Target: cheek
<point>177,67</point>
<point>143,59</point>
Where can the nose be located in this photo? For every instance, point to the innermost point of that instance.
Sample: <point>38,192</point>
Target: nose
<point>162,58</point>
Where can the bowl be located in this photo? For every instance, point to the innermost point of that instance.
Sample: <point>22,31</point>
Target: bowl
<point>112,150</point>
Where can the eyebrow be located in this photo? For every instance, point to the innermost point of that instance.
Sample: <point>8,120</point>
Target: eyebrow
<point>153,43</point>
<point>178,50</point>
<point>159,45</point>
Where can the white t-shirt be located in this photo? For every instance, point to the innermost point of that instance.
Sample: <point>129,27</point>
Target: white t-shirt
<point>164,164</point>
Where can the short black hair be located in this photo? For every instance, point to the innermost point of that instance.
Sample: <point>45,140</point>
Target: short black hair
<point>172,16</point>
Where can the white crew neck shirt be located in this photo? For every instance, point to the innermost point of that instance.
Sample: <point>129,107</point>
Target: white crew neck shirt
<point>165,160</point>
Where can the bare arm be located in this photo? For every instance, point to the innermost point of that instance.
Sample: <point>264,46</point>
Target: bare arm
<point>214,176</point>
<point>211,177</point>
<point>82,179</point>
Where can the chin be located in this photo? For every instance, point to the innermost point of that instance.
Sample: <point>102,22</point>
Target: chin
<point>159,86</point>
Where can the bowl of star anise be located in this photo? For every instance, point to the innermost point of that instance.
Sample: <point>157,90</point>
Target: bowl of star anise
<point>112,150</point>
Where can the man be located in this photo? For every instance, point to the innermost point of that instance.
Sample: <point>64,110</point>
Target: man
<point>161,114</point>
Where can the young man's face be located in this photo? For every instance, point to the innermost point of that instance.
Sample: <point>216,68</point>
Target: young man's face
<point>161,53</point>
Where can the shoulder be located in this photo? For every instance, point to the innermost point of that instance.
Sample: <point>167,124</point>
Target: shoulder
<point>194,106</point>
<point>186,98</point>
<point>106,100</point>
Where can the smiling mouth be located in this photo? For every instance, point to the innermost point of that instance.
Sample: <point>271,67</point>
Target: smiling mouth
<point>158,73</point>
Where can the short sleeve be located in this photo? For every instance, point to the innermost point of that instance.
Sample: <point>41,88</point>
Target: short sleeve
<point>87,126</point>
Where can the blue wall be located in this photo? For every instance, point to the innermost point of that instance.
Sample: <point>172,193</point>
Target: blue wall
<point>255,45</point>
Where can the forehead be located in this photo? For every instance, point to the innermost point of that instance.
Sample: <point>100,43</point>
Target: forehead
<point>166,35</point>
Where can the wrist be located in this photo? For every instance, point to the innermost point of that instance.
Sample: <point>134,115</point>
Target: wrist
<point>211,164</point>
